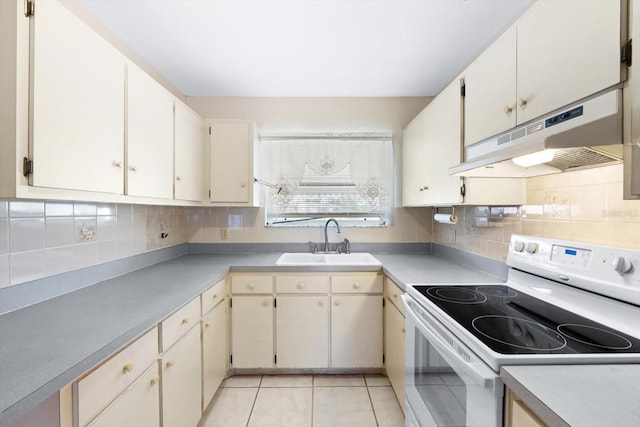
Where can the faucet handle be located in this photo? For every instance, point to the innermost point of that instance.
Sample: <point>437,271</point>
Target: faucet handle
<point>313,247</point>
<point>346,245</point>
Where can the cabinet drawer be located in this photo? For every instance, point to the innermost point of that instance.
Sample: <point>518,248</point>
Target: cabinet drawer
<point>95,391</point>
<point>174,326</point>
<point>356,284</point>
<point>392,292</point>
<point>252,284</point>
<point>302,284</point>
<point>212,296</point>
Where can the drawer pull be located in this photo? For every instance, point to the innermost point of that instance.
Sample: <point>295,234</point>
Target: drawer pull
<point>300,285</point>
<point>215,296</point>
<point>523,102</point>
<point>265,302</point>
<point>356,285</point>
<point>128,367</point>
<point>185,320</point>
<point>321,302</point>
<point>170,363</point>
<point>337,302</point>
<point>403,330</point>
<point>508,109</point>
<point>207,325</point>
<point>154,380</point>
<point>252,286</point>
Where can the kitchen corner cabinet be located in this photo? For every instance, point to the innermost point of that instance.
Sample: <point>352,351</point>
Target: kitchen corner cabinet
<point>189,153</point>
<point>356,321</point>
<point>431,144</point>
<point>233,159</point>
<point>77,119</point>
<point>252,341</point>
<point>215,347</point>
<point>149,137</point>
<point>394,339</point>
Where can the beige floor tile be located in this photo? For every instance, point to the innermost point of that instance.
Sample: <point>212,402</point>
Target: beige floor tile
<point>231,407</point>
<point>287,381</point>
<point>338,381</point>
<point>242,381</point>
<point>282,407</point>
<point>377,381</point>
<point>386,407</point>
<point>342,407</point>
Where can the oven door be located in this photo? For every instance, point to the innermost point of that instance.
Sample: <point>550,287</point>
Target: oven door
<point>446,384</point>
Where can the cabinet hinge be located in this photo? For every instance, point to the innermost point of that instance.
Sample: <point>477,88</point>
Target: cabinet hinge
<point>231,359</point>
<point>275,303</point>
<point>463,90</point>
<point>275,359</point>
<point>209,130</point>
<point>463,190</point>
<point>383,358</point>
<point>27,167</point>
<point>230,302</point>
<point>626,54</point>
<point>383,302</point>
<point>29,8</point>
<point>209,193</point>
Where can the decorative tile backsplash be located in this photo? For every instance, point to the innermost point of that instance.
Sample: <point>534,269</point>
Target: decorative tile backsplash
<point>584,206</point>
<point>44,238</point>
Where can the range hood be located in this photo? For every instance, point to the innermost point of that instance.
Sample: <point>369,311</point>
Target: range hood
<point>581,135</point>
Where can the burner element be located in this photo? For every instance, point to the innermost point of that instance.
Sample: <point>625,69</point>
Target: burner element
<point>597,337</point>
<point>457,295</point>
<point>497,291</point>
<point>520,333</point>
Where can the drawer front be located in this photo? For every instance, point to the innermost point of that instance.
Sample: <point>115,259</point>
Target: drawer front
<point>356,284</point>
<point>212,296</point>
<point>95,391</point>
<point>257,284</point>
<point>302,284</point>
<point>393,292</point>
<point>176,325</point>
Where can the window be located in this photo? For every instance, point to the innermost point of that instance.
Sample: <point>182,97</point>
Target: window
<point>309,178</point>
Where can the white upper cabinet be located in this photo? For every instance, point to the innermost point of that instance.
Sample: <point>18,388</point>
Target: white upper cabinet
<point>430,146</point>
<point>232,164</point>
<point>567,50</point>
<point>189,153</point>
<point>490,90</point>
<point>149,136</point>
<point>77,119</point>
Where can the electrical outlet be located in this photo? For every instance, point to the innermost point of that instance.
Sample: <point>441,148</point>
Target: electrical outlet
<point>224,233</point>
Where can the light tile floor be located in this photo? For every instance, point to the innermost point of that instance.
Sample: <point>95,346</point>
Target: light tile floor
<point>304,401</point>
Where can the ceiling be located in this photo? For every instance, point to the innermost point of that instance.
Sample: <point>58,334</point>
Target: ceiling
<point>276,48</point>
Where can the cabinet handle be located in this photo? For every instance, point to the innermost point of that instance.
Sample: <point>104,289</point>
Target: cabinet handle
<point>300,285</point>
<point>265,302</point>
<point>133,169</point>
<point>170,363</point>
<point>356,285</point>
<point>403,330</point>
<point>425,188</point>
<point>185,320</point>
<point>128,367</point>
<point>395,296</point>
<point>116,164</point>
<point>337,302</point>
<point>243,185</point>
<point>321,302</point>
<point>215,296</point>
<point>523,102</point>
<point>252,286</point>
<point>508,110</point>
<point>154,380</point>
<point>178,178</point>
<point>207,325</point>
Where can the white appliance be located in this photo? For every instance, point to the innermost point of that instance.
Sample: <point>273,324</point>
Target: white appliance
<point>563,303</point>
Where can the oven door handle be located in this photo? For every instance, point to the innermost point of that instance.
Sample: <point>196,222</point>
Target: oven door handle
<point>478,372</point>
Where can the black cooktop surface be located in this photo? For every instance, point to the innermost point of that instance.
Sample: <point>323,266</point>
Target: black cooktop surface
<point>512,322</point>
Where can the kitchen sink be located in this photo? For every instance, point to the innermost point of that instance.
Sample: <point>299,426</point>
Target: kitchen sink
<point>305,258</point>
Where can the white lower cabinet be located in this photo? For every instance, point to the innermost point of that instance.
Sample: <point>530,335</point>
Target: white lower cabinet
<point>138,406</point>
<point>181,382</point>
<point>302,331</point>
<point>394,333</point>
<point>252,331</point>
<point>214,351</point>
<point>356,331</point>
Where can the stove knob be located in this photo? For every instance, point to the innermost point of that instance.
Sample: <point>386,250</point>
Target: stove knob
<point>518,246</point>
<point>532,247</point>
<point>622,265</point>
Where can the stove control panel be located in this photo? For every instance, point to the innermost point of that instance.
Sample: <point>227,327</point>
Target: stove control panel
<point>614,272</point>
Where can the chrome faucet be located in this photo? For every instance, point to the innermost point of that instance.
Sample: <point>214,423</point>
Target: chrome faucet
<point>326,237</point>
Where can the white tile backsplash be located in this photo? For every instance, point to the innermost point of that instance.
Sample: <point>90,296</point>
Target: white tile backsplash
<point>39,239</point>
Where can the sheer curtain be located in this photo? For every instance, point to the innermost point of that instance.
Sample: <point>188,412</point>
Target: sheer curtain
<point>315,176</point>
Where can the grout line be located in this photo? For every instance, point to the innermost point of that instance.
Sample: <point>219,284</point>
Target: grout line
<point>255,399</point>
<point>373,409</point>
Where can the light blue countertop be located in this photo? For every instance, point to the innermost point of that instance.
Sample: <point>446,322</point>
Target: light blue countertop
<point>45,346</point>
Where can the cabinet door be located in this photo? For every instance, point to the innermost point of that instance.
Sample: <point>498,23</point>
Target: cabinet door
<point>214,351</point>
<point>231,162</point>
<point>138,406</point>
<point>189,150</point>
<point>77,121</point>
<point>182,382</point>
<point>149,136</point>
<point>252,331</point>
<point>356,331</point>
<point>566,50</point>
<point>414,150</point>
<point>302,331</point>
<point>394,333</point>
<point>490,90</point>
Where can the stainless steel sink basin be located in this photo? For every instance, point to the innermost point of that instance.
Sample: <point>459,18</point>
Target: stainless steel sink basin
<point>305,258</point>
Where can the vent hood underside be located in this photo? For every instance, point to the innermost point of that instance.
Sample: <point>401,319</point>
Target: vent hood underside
<point>582,135</point>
